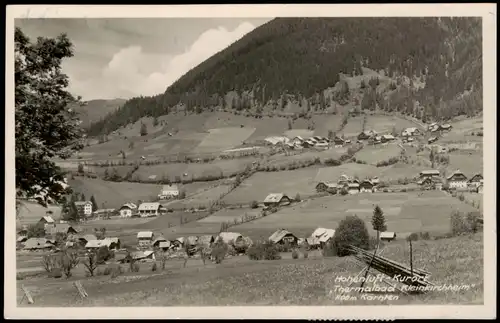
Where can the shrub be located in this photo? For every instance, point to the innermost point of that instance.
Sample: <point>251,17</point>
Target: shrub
<point>103,255</point>
<point>343,191</point>
<point>254,204</point>
<point>285,247</point>
<point>351,231</point>
<point>425,236</point>
<point>134,267</point>
<point>329,250</point>
<point>305,253</point>
<point>219,251</point>
<point>154,267</point>
<point>116,270</point>
<point>461,197</point>
<point>295,254</point>
<point>263,251</point>
<point>107,271</point>
<point>464,223</point>
<point>332,162</point>
<point>413,237</point>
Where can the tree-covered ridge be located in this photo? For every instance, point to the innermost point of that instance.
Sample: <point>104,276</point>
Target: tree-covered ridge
<point>303,56</point>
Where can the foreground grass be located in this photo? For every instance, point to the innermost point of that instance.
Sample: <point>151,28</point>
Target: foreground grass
<point>239,281</point>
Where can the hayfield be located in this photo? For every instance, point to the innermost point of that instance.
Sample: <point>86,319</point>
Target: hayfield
<point>114,194</point>
<point>468,162</point>
<point>304,133</point>
<point>353,127</point>
<point>404,213</point>
<point>376,154</point>
<point>239,281</point>
<point>193,170</point>
<point>203,198</point>
<point>32,212</point>
<point>221,139</point>
<point>385,124</point>
<point>351,169</point>
<point>400,171</point>
<point>259,185</point>
<point>229,215</point>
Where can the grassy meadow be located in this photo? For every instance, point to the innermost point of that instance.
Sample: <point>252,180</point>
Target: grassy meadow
<point>240,281</point>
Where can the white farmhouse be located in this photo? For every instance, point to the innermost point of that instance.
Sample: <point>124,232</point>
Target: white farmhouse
<point>127,210</point>
<point>84,207</point>
<point>457,180</point>
<point>149,209</point>
<point>168,192</point>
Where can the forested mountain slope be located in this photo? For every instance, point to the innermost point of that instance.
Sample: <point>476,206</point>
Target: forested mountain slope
<point>436,62</point>
<point>94,110</point>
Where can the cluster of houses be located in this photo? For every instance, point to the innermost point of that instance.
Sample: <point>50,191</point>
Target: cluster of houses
<point>299,142</point>
<point>127,210</point>
<point>435,127</point>
<point>375,138</point>
<point>349,184</point>
<point>456,181</point>
<point>73,237</point>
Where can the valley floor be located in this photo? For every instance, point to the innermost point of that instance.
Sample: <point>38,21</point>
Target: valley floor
<point>239,281</point>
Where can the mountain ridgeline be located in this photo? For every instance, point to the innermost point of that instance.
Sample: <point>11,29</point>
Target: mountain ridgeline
<point>300,57</point>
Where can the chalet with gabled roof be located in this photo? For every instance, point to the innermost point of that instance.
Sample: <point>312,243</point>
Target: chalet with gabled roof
<point>457,180</point>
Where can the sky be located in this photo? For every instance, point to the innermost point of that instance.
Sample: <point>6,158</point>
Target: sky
<point>128,57</point>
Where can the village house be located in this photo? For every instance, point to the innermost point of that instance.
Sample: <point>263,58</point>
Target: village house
<point>164,245</point>
<point>104,213</point>
<point>410,132</point>
<point>297,141</point>
<point>178,243</point>
<point>96,244</point>
<point>480,188</point>
<point>228,237</point>
<point>282,236</point>
<point>322,144</point>
<point>86,238</point>
<point>366,186</point>
<point>387,138</point>
<point>127,210</point>
<point>475,181</point>
<point>149,209</point>
<point>156,242</point>
<point>320,237</point>
<point>353,188</point>
<point>445,127</point>
<point>387,236</point>
<point>326,187</point>
<point>144,256</point>
<point>429,173</point>
<point>84,208</point>
<point>64,228</point>
<point>38,244</point>
<point>367,134</point>
<point>168,192</point>
<point>344,180</point>
<point>431,183</point>
<point>145,238</point>
<point>457,180</point>
<point>338,141</point>
<point>46,222</point>
<point>432,140</point>
<point>276,200</point>
<point>433,127</point>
